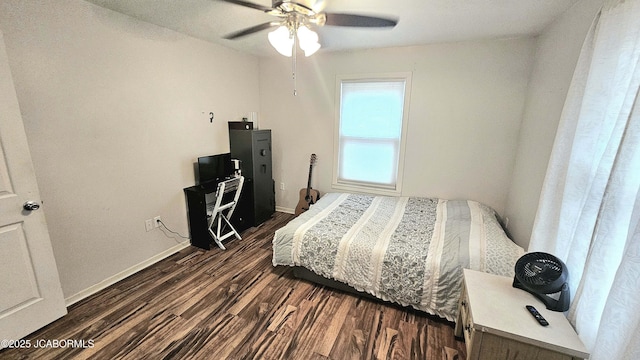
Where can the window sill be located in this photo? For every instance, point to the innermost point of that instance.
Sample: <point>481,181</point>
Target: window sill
<point>367,189</point>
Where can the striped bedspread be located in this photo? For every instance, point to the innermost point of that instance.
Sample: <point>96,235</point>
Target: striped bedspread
<point>407,250</point>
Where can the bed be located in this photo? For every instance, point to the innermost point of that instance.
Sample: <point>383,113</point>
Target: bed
<point>406,250</point>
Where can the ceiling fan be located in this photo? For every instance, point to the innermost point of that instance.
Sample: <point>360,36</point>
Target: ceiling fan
<point>296,21</point>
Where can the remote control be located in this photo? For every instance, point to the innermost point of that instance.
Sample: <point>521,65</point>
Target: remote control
<point>537,315</point>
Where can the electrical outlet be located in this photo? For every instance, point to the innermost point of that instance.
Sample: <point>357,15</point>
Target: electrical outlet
<point>281,186</point>
<point>148,224</point>
<point>156,221</point>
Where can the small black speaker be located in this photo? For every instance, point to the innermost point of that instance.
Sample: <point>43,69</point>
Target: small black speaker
<point>240,125</point>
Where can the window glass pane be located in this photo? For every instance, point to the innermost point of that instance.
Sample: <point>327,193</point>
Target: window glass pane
<point>369,161</point>
<point>372,109</point>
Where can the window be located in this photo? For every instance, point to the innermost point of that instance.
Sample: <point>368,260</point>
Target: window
<point>371,115</point>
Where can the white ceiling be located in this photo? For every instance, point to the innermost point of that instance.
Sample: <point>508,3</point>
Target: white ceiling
<point>420,21</point>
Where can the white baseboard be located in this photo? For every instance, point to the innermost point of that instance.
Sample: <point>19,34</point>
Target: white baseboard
<point>124,274</point>
<point>285,210</point>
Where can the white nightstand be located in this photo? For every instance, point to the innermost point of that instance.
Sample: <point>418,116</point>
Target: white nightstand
<point>496,325</point>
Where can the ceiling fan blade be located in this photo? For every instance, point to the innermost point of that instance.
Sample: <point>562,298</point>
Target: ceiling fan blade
<point>358,20</point>
<point>249,5</point>
<point>250,30</point>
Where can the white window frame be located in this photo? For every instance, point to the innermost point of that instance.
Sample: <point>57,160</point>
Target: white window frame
<point>360,187</point>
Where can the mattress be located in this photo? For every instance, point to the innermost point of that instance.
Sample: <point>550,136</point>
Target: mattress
<point>407,250</point>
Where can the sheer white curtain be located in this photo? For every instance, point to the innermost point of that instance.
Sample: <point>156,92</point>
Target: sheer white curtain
<point>590,205</point>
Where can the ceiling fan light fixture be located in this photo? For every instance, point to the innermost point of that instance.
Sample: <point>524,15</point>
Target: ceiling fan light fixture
<point>308,40</point>
<point>282,41</point>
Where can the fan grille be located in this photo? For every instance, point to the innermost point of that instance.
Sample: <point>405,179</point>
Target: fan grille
<point>539,269</point>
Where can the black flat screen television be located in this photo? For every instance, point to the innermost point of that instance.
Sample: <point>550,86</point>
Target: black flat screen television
<point>214,168</point>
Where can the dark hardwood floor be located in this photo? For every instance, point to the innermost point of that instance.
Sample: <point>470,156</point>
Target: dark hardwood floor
<point>235,305</point>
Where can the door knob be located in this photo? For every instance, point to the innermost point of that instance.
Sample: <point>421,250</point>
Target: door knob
<point>31,205</point>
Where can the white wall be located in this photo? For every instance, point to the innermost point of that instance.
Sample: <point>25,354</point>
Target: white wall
<point>116,111</point>
<point>467,102</point>
<point>558,48</point>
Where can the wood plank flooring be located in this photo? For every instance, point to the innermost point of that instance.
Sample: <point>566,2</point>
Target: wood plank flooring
<point>235,305</point>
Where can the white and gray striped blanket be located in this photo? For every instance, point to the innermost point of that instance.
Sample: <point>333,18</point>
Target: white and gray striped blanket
<point>407,250</point>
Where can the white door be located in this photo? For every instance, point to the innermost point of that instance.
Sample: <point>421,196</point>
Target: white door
<point>30,292</point>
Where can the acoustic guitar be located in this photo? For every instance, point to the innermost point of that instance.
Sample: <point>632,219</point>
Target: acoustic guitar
<point>308,196</point>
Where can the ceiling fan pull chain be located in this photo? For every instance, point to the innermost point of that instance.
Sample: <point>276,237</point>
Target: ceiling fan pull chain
<point>293,66</point>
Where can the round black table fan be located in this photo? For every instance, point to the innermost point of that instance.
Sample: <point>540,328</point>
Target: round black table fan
<point>542,274</point>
